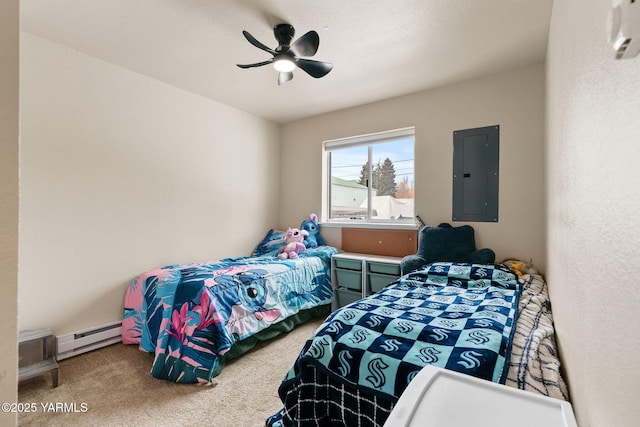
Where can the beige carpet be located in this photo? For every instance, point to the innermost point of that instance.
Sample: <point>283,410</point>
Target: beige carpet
<point>117,389</point>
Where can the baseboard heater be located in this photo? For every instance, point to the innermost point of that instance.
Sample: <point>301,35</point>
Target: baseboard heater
<point>89,339</point>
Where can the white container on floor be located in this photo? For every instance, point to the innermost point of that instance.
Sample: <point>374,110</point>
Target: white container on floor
<point>439,397</point>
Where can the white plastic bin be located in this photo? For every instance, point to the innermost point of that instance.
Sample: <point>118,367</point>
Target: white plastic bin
<point>438,397</point>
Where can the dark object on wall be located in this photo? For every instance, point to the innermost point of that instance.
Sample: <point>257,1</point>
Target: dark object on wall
<point>448,244</point>
<point>475,174</point>
<point>287,56</point>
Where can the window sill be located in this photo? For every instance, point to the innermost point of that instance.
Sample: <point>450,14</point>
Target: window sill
<point>376,225</point>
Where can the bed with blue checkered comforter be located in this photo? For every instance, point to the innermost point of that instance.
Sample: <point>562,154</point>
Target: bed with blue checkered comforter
<point>360,360</point>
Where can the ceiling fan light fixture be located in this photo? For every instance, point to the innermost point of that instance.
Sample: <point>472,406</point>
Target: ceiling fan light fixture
<point>284,64</point>
<point>289,56</point>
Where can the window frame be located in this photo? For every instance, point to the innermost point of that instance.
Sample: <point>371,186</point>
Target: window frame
<point>366,140</point>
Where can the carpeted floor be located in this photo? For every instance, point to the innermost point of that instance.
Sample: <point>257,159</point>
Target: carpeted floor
<point>113,387</point>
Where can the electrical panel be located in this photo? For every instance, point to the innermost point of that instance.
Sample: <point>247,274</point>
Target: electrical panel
<point>476,155</point>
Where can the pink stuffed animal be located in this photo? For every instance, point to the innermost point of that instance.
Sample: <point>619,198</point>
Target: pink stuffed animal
<point>294,243</point>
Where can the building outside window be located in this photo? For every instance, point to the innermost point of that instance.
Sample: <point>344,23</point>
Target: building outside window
<point>371,178</point>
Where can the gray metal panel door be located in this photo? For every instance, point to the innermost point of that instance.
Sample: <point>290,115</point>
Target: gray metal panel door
<point>475,174</point>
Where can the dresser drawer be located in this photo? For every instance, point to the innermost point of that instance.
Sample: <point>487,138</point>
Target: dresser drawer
<point>348,264</point>
<point>346,296</point>
<point>349,279</point>
<point>384,268</point>
<point>379,281</point>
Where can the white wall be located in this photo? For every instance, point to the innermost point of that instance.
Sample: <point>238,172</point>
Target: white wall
<point>121,173</point>
<point>348,196</point>
<point>512,99</point>
<point>593,145</point>
<point>9,59</point>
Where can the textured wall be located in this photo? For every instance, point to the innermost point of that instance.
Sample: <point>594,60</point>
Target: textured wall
<point>121,173</point>
<point>9,42</point>
<point>593,153</point>
<point>513,99</point>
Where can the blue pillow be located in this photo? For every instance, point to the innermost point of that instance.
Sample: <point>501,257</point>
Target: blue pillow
<point>270,243</point>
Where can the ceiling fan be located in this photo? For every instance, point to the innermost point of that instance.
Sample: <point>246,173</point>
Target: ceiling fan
<point>287,56</point>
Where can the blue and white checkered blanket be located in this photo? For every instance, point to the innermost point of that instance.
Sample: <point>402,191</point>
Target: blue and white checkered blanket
<point>452,315</point>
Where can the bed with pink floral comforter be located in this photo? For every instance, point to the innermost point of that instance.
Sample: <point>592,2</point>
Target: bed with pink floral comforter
<point>191,315</point>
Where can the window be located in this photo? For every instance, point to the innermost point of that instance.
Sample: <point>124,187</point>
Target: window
<point>370,177</point>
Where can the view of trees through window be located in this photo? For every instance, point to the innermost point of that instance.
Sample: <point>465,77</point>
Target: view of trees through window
<point>384,180</point>
<point>383,169</point>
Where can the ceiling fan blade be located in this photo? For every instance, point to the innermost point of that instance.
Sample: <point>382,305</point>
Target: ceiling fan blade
<point>315,69</point>
<point>307,45</point>
<point>257,64</point>
<point>284,77</point>
<point>257,44</point>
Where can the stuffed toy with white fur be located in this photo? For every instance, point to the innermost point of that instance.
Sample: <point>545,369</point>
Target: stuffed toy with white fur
<point>294,244</point>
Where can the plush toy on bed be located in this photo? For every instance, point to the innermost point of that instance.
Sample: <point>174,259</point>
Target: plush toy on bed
<point>294,244</point>
<point>311,226</point>
<point>520,267</point>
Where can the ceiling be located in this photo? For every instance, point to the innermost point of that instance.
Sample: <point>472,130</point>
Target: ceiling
<point>380,49</point>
